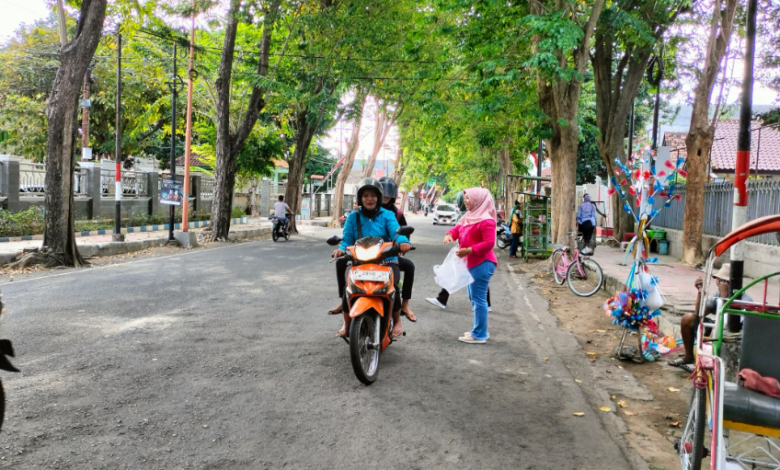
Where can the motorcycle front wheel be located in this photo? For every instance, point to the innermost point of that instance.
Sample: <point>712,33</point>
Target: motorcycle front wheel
<point>502,242</point>
<point>365,361</point>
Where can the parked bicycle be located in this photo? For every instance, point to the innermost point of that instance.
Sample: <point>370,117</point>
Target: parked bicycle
<point>582,274</point>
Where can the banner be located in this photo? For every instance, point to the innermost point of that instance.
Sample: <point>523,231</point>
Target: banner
<point>172,191</point>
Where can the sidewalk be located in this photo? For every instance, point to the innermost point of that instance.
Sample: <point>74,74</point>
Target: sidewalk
<point>101,245</point>
<point>675,279</point>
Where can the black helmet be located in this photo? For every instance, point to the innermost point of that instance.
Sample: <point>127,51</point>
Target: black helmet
<point>371,184</point>
<point>390,187</point>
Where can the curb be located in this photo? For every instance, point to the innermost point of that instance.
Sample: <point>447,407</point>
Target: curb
<point>145,228</point>
<point>119,248</point>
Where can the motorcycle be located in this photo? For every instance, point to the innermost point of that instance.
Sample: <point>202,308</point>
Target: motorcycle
<point>343,218</point>
<point>503,236</point>
<point>280,229</point>
<point>369,299</point>
<point>6,349</point>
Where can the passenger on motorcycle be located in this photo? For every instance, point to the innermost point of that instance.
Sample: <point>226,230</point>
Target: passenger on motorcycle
<point>370,220</point>
<point>390,192</point>
<point>280,211</point>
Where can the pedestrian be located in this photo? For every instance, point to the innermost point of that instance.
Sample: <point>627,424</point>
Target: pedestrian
<point>516,228</point>
<point>476,234</point>
<point>586,221</point>
<point>444,296</point>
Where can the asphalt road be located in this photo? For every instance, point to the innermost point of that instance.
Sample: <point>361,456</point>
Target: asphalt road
<point>225,359</point>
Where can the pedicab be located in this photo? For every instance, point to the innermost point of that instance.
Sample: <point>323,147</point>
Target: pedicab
<point>736,427</point>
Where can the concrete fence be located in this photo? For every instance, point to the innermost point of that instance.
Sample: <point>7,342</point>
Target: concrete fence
<point>22,185</point>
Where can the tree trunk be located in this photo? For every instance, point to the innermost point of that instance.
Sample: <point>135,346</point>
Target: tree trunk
<point>60,113</point>
<point>303,138</point>
<point>254,210</point>
<point>382,126</point>
<point>229,145</point>
<point>698,142</point>
<point>349,158</point>
<point>563,156</point>
<point>507,168</point>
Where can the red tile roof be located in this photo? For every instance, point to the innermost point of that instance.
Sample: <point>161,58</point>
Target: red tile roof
<point>724,147</point>
<point>547,172</point>
<point>195,161</point>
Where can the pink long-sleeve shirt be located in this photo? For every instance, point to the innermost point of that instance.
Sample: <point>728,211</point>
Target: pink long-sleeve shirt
<point>480,237</point>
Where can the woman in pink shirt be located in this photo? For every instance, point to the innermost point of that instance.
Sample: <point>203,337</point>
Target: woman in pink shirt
<point>476,234</point>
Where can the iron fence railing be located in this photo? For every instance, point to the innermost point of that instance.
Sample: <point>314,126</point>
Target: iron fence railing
<point>32,177</point>
<point>80,178</point>
<point>764,197</point>
<point>134,183</point>
<point>278,188</point>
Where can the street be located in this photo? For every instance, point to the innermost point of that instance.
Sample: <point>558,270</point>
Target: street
<point>225,359</point>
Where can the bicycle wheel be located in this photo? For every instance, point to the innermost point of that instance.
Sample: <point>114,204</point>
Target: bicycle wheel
<point>558,267</point>
<point>690,447</point>
<point>584,278</point>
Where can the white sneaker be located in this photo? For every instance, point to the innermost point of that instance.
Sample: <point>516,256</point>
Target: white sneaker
<point>435,302</point>
<point>490,309</point>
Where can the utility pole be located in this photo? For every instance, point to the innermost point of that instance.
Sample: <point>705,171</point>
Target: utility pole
<point>656,81</point>
<point>539,160</point>
<point>174,89</point>
<point>188,138</point>
<point>742,167</point>
<point>118,236</point>
<point>86,151</point>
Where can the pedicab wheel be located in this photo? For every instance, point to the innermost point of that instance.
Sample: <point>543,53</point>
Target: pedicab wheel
<point>586,282</point>
<point>691,444</point>
<point>557,264</point>
<point>365,361</point>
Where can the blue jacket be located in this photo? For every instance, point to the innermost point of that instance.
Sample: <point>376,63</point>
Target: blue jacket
<point>383,226</point>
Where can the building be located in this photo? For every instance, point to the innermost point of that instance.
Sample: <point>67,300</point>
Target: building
<point>764,151</point>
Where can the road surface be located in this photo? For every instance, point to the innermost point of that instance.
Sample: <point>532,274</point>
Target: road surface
<point>225,359</point>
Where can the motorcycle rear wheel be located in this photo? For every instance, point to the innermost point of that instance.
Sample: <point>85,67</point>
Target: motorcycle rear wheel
<point>365,362</point>
<point>275,233</point>
<point>502,242</point>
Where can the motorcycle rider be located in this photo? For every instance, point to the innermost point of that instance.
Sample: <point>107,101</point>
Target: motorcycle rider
<point>280,212</point>
<point>390,191</point>
<point>370,220</point>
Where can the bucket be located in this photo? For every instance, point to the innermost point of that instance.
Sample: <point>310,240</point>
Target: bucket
<point>663,247</point>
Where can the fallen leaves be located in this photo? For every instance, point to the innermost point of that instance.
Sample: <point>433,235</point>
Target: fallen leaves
<point>578,381</point>
<point>672,389</point>
<point>578,414</point>
<point>622,404</point>
<point>629,413</point>
<point>605,409</point>
<point>675,424</point>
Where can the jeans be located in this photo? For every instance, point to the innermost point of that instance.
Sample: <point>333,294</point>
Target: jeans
<point>515,244</point>
<point>478,296</point>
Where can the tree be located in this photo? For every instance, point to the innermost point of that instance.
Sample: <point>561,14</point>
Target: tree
<point>384,120</point>
<point>699,140</point>
<point>625,37</point>
<point>61,113</point>
<point>355,113</point>
<point>228,143</point>
<point>562,32</point>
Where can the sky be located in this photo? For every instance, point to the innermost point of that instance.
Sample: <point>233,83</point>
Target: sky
<point>15,12</point>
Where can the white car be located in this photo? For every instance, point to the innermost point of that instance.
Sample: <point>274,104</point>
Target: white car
<point>445,214</point>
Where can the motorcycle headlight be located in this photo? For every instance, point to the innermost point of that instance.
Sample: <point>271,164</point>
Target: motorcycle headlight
<point>367,253</point>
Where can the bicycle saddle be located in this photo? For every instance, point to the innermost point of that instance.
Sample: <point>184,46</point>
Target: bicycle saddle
<point>560,247</point>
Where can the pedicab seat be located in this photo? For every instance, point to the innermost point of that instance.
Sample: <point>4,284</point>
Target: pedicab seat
<point>742,405</point>
<point>759,351</point>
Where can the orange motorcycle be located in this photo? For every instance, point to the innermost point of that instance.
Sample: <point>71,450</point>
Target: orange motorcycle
<point>369,300</point>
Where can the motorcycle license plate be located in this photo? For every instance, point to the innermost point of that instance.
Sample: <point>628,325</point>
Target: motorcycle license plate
<point>375,276</point>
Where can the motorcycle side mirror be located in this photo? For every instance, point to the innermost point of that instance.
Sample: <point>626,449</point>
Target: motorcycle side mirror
<point>334,240</point>
<point>406,230</point>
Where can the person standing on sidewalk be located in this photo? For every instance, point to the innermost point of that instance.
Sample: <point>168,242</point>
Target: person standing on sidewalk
<point>476,234</point>
<point>586,222</point>
<point>444,296</point>
<point>516,228</point>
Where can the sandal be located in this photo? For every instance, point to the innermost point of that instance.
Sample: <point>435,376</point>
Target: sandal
<point>688,367</point>
<point>394,336</point>
<point>412,318</point>
<point>336,311</point>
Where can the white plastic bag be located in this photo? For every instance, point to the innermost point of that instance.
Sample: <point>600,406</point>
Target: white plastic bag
<point>655,299</point>
<point>453,274</point>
